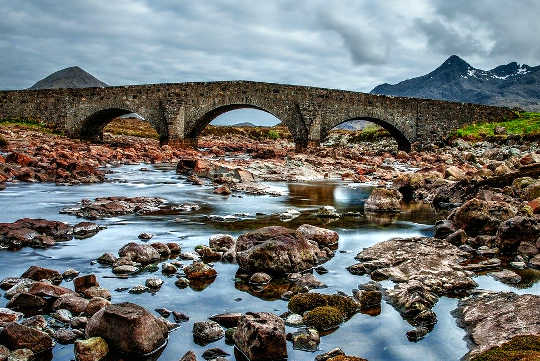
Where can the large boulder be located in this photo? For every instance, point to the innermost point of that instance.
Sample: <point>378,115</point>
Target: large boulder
<point>383,200</point>
<point>517,231</point>
<point>37,273</point>
<point>205,332</point>
<point>477,216</point>
<point>128,328</point>
<point>276,250</point>
<point>16,336</point>
<point>142,253</point>
<point>261,336</point>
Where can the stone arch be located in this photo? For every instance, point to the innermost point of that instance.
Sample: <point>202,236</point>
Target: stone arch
<point>403,142</point>
<point>91,126</point>
<point>205,116</point>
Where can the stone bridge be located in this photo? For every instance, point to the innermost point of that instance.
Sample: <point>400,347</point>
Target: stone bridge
<point>179,112</point>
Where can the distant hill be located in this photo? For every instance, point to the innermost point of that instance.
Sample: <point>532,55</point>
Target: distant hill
<point>511,85</point>
<point>353,125</point>
<point>73,77</point>
<point>243,125</point>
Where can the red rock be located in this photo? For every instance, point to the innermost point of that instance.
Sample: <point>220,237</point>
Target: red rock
<point>37,273</point>
<point>128,328</point>
<point>95,304</point>
<point>535,205</point>
<point>261,336</point>
<point>16,336</point>
<point>223,190</point>
<point>47,290</point>
<point>141,253</point>
<point>83,283</point>
<point>72,303</point>
<point>20,158</point>
<point>324,237</point>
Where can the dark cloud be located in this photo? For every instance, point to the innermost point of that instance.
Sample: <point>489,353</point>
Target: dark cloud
<point>348,44</point>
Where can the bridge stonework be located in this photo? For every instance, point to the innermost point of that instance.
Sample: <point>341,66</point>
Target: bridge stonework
<point>179,112</point>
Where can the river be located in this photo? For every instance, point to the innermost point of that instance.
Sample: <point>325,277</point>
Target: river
<point>375,338</point>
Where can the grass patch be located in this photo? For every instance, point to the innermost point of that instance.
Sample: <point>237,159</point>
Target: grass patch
<point>28,124</point>
<point>527,123</point>
<point>519,348</point>
<point>131,126</point>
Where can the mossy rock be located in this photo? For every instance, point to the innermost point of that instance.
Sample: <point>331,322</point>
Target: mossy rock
<point>346,358</point>
<point>346,305</point>
<point>324,318</point>
<point>306,301</point>
<point>519,348</point>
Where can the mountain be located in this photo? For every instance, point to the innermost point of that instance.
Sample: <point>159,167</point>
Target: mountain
<point>353,125</point>
<point>511,85</point>
<point>243,125</point>
<point>73,77</point>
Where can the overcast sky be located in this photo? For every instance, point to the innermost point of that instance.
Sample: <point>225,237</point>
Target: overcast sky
<point>354,44</point>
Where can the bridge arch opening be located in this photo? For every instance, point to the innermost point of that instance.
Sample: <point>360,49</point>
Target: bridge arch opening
<point>117,121</point>
<point>229,118</point>
<point>368,129</point>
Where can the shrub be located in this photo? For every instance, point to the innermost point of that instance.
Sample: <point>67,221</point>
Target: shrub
<point>273,134</point>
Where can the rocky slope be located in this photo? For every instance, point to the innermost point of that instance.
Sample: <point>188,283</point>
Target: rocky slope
<point>455,80</point>
<point>73,77</point>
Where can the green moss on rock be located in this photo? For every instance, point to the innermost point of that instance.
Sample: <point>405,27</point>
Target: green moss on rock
<point>519,348</point>
<point>346,305</point>
<point>306,301</point>
<point>324,318</point>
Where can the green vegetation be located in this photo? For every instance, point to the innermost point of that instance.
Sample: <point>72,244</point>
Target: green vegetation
<point>27,124</point>
<point>303,302</point>
<point>527,123</point>
<point>323,318</point>
<point>273,134</point>
<point>519,348</point>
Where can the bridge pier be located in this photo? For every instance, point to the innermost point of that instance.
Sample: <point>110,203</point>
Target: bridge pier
<point>181,143</point>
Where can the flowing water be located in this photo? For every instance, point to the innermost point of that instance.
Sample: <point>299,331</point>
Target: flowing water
<point>379,337</point>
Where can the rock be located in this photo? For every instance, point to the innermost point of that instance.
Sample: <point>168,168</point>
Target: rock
<point>4,353</point>
<point>323,318</point>
<point>79,322</point>
<point>16,336</point>
<point>506,276</point>
<point>206,332</point>
<point>163,312</point>
<point>492,318</point>
<point>84,230</point>
<point>535,262</point>
<point>22,354</point>
<point>107,258</point>
<point>307,339</point>
<point>515,231</point>
<point>125,270</point>
<point>128,328</point>
<point>417,334</point>
<point>261,336</point>
<point>199,271</point>
<point>168,268</point>
<point>92,349</point>
<point>70,274</point>
<point>173,247</point>
<point>95,304</point>
<point>8,316</point>
<point>330,354</point>
<point>323,237</point>
<point>260,278</point>
<point>180,317</point>
<point>518,264</point>
<point>65,336</point>
<point>369,299</point>
<point>423,268</point>
<point>36,233</point>
<point>146,236</point>
<point>208,254</point>
<point>530,158</point>
<point>27,303</point>
<point>221,242</point>
<point>62,315</point>
<point>327,212</point>
<point>9,282</point>
<point>71,302</point>
<point>481,217</point>
<point>182,282</point>
<point>23,285</point>
<point>223,190</point>
<point>454,173</point>
<point>154,283</point>
<point>214,353</point>
<point>383,200</point>
<point>189,356</point>
<point>294,320</point>
<point>162,249</point>
<point>45,289</point>
<point>83,283</point>
<point>276,250</point>
<point>37,273</point>
<point>227,320</point>
<point>136,290</point>
<point>141,253</point>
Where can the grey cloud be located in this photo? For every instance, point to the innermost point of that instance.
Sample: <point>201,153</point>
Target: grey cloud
<point>347,44</point>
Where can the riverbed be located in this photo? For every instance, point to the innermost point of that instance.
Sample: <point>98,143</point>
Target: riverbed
<point>375,338</point>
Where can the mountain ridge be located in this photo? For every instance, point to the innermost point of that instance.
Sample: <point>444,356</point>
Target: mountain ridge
<point>511,85</point>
